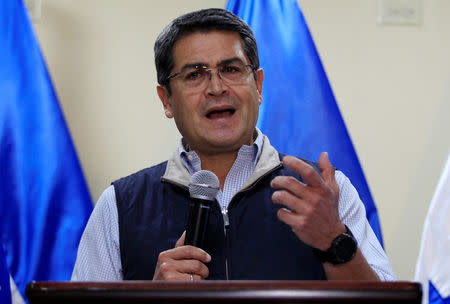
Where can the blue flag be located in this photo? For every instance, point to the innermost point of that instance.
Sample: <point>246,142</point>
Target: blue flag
<point>5,291</point>
<point>44,199</point>
<point>299,113</point>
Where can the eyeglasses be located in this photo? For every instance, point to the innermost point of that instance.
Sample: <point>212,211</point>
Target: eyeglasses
<point>195,77</point>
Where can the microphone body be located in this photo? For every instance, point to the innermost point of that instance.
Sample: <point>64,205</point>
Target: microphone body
<point>203,188</point>
<point>197,222</point>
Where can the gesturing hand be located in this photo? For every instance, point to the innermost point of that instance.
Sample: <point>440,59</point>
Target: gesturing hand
<point>179,263</point>
<point>313,211</point>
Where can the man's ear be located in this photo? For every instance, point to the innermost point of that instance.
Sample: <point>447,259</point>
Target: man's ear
<point>165,99</point>
<point>259,83</point>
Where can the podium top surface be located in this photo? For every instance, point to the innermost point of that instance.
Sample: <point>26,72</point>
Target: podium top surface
<point>224,292</point>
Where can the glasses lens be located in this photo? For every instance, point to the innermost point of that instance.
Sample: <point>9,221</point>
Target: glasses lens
<point>194,77</point>
<point>234,73</point>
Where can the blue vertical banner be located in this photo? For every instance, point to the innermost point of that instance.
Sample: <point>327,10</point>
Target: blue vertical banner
<point>5,290</point>
<point>44,198</point>
<point>299,113</point>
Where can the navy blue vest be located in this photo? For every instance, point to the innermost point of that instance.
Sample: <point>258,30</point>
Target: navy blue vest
<point>153,215</point>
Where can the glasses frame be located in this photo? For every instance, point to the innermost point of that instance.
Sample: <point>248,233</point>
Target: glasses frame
<point>208,70</point>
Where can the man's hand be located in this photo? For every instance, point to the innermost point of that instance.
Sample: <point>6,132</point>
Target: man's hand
<point>179,263</point>
<point>314,214</point>
<point>313,207</point>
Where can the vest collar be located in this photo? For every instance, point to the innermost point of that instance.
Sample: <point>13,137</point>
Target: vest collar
<point>177,173</point>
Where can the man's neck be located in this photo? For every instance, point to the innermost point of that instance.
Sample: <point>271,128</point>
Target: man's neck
<point>219,164</point>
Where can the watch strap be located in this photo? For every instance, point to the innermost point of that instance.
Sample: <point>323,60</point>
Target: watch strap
<point>330,255</point>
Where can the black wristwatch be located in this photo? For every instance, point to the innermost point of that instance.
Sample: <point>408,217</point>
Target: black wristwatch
<point>342,250</point>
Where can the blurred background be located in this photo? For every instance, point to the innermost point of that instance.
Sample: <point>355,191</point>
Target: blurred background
<point>391,81</point>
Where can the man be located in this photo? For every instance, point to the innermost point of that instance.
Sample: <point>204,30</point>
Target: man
<point>273,219</point>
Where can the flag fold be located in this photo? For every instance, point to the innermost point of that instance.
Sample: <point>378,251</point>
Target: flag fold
<point>433,264</point>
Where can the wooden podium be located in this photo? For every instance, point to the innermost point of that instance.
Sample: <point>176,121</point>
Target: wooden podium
<point>224,292</point>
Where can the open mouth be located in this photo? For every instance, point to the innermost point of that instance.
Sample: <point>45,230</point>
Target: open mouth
<point>222,113</point>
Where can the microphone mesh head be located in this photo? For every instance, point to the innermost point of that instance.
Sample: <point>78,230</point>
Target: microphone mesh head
<point>204,184</point>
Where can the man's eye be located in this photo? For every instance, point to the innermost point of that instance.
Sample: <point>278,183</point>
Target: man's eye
<point>194,75</point>
<point>231,69</point>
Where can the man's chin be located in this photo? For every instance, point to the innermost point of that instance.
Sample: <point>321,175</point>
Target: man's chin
<point>220,142</point>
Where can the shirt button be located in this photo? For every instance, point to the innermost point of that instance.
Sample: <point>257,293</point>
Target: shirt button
<point>190,157</point>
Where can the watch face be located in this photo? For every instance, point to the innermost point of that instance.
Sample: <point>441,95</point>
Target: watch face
<point>344,249</point>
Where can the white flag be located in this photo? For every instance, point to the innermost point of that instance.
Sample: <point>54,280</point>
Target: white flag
<point>433,264</point>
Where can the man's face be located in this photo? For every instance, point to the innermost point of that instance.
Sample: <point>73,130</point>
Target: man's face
<point>219,117</point>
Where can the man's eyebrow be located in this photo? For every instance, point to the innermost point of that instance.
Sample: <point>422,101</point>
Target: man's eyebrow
<point>231,60</point>
<point>202,64</point>
<point>193,65</point>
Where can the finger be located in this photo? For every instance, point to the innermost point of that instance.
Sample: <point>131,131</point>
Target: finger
<point>288,200</point>
<point>167,271</point>
<point>180,241</point>
<point>185,253</point>
<point>326,168</point>
<point>192,267</point>
<point>288,217</point>
<point>308,173</point>
<point>291,184</point>
<point>194,278</point>
<point>197,278</point>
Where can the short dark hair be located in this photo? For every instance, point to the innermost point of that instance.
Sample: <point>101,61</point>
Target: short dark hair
<point>200,21</point>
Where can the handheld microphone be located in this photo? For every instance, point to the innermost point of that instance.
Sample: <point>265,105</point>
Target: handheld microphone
<point>203,188</point>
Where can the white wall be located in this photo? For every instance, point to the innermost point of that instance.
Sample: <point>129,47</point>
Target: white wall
<point>392,84</point>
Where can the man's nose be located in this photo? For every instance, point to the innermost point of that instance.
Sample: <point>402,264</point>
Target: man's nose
<point>216,85</point>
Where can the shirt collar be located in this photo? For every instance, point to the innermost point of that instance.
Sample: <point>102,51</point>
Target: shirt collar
<point>192,162</point>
